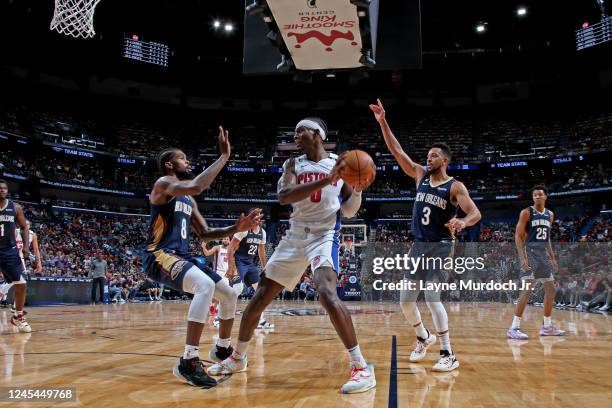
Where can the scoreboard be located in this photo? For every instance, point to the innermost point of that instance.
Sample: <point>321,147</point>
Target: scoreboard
<point>145,51</point>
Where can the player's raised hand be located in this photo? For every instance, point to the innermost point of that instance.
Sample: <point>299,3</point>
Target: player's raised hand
<point>224,143</point>
<point>250,221</point>
<point>379,111</point>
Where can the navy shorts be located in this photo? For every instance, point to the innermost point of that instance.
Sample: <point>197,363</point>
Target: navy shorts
<point>540,264</point>
<point>11,264</point>
<point>169,268</point>
<point>248,270</point>
<point>431,257</point>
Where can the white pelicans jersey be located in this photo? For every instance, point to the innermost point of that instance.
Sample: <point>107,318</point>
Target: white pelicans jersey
<point>320,211</point>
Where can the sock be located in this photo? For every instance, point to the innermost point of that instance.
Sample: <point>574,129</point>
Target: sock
<point>356,357</point>
<point>190,352</point>
<point>421,333</point>
<point>547,321</point>
<point>225,343</point>
<point>516,322</point>
<point>445,342</point>
<point>240,350</point>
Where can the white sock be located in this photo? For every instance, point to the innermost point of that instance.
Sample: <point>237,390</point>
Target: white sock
<point>420,331</point>
<point>547,321</point>
<point>190,352</point>
<point>516,323</point>
<point>445,342</point>
<point>356,357</point>
<point>224,342</point>
<point>240,350</point>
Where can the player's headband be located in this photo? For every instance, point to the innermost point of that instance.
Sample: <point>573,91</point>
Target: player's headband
<point>311,124</point>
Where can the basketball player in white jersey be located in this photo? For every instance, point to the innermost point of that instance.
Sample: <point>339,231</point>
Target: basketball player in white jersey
<point>5,287</point>
<point>222,347</point>
<point>312,184</point>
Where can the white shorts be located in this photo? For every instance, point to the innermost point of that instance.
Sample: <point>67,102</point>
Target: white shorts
<point>296,250</point>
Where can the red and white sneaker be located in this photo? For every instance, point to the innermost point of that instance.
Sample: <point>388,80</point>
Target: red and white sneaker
<point>420,348</point>
<point>230,365</point>
<point>362,380</point>
<point>20,321</point>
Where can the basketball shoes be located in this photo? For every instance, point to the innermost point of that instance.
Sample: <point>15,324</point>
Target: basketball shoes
<point>193,372</point>
<point>516,334</point>
<point>218,354</point>
<point>551,331</point>
<point>229,366</point>
<point>265,325</point>
<point>421,346</point>
<point>20,321</point>
<point>362,379</point>
<point>447,362</point>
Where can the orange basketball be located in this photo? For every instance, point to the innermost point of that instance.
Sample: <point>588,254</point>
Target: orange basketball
<point>360,169</point>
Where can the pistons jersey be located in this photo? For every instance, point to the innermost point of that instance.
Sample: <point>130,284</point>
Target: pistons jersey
<point>432,209</point>
<point>320,211</point>
<point>221,261</point>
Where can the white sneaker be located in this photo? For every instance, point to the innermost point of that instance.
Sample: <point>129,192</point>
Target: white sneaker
<point>265,325</point>
<point>216,323</point>
<point>420,348</point>
<point>122,301</point>
<point>604,308</point>
<point>362,380</point>
<point>21,323</point>
<point>229,366</point>
<point>446,363</point>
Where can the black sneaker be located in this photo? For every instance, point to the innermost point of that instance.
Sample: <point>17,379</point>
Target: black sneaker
<point>218,354</point>
<point>193,372</point>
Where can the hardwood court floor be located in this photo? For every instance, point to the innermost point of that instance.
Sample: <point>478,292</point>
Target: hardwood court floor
<point>122,355</point>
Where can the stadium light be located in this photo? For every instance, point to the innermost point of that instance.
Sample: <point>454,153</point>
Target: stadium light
<point>521,11</point>
<point>228,27</point>
<point>481,28</point>
<point>216,24</point>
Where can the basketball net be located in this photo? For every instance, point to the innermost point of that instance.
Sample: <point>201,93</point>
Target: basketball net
<point>74,17</point>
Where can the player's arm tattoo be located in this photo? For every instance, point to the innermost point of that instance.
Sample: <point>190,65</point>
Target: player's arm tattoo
<point>289,192</point>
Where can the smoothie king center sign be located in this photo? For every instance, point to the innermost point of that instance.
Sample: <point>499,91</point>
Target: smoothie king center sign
<point>321,34</point>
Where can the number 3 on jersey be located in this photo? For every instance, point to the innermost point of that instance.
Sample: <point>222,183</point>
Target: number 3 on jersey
<point>426,214</point>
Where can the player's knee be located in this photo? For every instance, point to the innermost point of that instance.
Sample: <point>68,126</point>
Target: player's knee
<point>327,294</point>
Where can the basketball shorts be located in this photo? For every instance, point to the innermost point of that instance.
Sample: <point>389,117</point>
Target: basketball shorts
<point>540,264</point>
<point>11,265</point>
<point>429,258</point>
<point>169,268</point>
<point>248,270</point>
<point>299,249</point>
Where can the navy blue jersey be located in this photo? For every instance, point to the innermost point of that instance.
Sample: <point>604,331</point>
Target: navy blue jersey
<point>539,226</point>
<point>7,225</point>
<point>169,226</point>
<point>249,243</point>
<point>432,209</point>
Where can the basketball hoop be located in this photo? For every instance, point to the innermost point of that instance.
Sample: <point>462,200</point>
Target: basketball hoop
<point>74,17</point>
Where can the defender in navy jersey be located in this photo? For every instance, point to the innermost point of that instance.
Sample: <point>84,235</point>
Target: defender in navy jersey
<point>166,258</point>
<point>11,214</point>
<point>245,248</point>
<point>434,222</point>
<point>538,262</point>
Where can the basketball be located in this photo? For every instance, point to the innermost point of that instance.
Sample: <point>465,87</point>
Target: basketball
<point>360,169</point>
